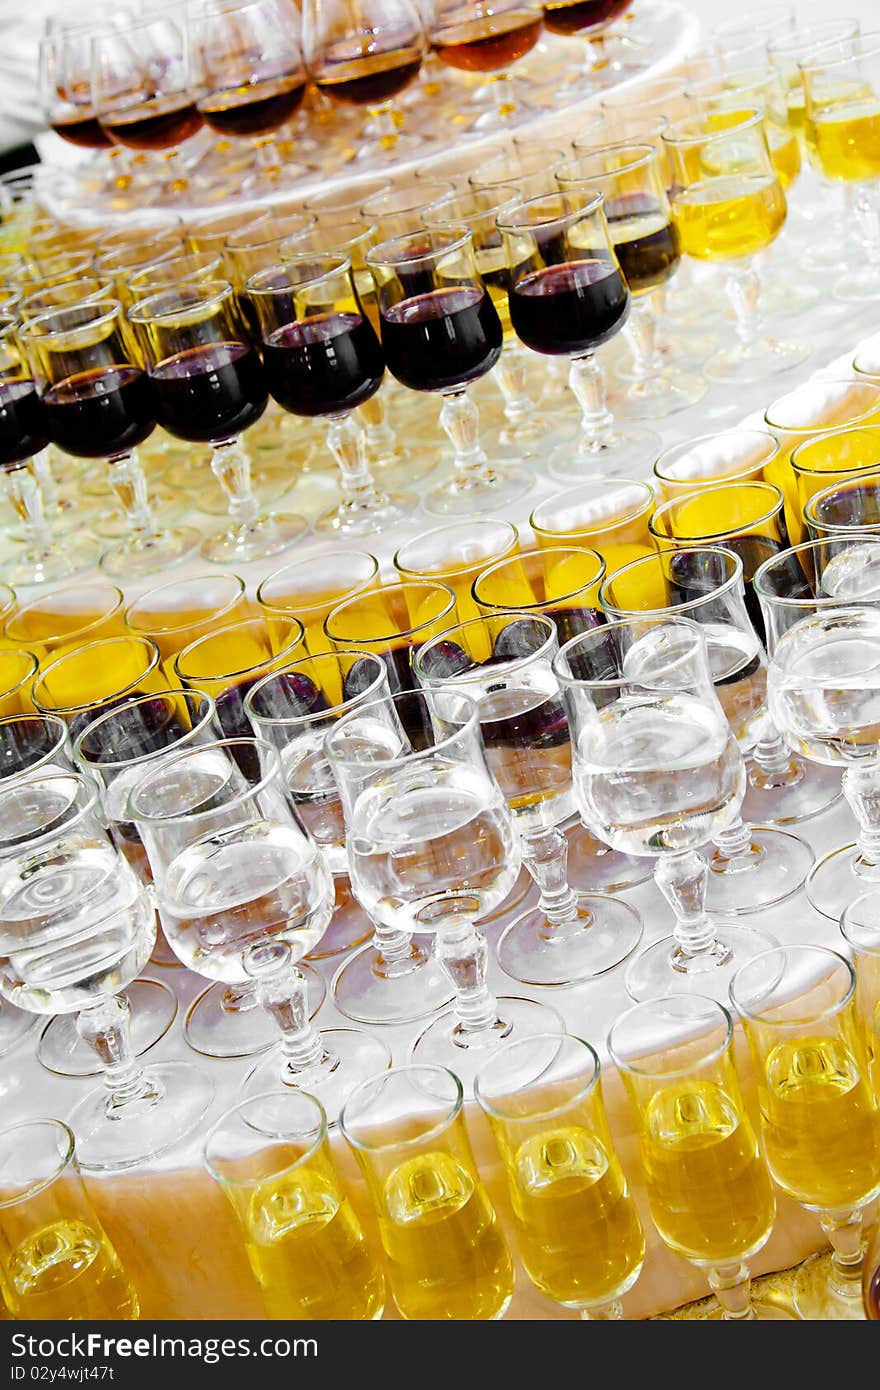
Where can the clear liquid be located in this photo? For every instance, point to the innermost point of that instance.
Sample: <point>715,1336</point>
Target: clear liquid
<point>824,686</point>
<point>308,1251</point>
<point>447,1258</point>
<point>252,883</point>
<point>659,775</point>
<point>315,794</point>
<point>854,574</point>
<point>67,1271</point>
<point>423,846</point>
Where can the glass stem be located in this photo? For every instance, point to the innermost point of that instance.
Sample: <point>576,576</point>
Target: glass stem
<point>106,1029</point>
<point>237,999</point>
<point>732,1286</point>
<point>603,1312</point>
<point>744,292</point>
<point>587,382</point>
<point>126,478</point>
<point>396,954</point>
<point>640,331</point>
<point>282,991</point>
<point>460,419</point>
<point>503,95</point>
<point>463,953</point>
<point>861,787</point>
<point>380,439</point>
<point>231,466</point>
<point>844,1232</point>
<point>266,155</point>
<point>772,764</point>
<point>545,856</point>
<point>359,492</point>
<point>510,377</point>
<point>866,215</point>
<point>384,126</point>
<point>26,496</point>
<point>682,880</point>
<point>734,851</point>
<point>41,465</point>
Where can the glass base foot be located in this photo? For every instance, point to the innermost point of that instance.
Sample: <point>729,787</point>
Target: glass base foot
<point>255,540</point>
<point>215,1030</point>
<point>495,487</point>
<point>153,1010</point>
<point>402,467</point>
<point>815,789</point>
<point>834,881</point>
<point>777,868</point>
<point>818,1298</point>
<point>350,1058</point>
<point>760,359</point>
<point>596,868</point>
<point>363,521</point>
<point>786,298</point>
<point>661,396</point>
<point>70,556</point>
<point>175,1104</point>
<point>132,557</point>
<point>445,1043</point>
<point>15,1025</point>
<point>764,1312</point>
<point>658,970</point>
<point>532,951</point>
<point>860,283</point>
<point>626,448</point>
<point>370,990</point>
<point>349,926</point>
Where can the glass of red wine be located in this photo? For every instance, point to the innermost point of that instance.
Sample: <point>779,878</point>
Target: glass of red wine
<point>589,20</point>
<point>567,297</point>
<point>142,91</point>
<point>209,386</point>
<point>487,37</point>
<point>363,53</point>
<point>98,404</point>
<point>24,432</point>
<point>250,75</point>
<point>440,332</point>
<point>322,359</point>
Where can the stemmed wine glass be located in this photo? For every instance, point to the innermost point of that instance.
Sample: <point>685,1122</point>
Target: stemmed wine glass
<point>244,893</point>
<point>76,926</point>
<point>488,36</point>
<point>209,387</point>
<point>432,847</point>
<point>657,771</point>
<point>504,661</point>
<point>97,403</point>
<point>440,332</point>
<point>568,296</point>
<point>322,359</point>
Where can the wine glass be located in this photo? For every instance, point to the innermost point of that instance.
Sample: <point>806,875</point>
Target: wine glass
<point>97,403</point>
<point>658,771</point>
<point>61,620</point>
<point>209,387</point>
<point>76,927</point>
<point>17,671</point>
<point>424,813</point>
<point>837,459</point>
<point>819,1115</point>
<point>176,614</point>
<point>82,681</point>
<point>566,301</point>
<point>322,359</point>
<point>483,37</point>
<point>311,588</point>
<point>504,661</point>
<point>455,554</point>
<point>739,455</point>
<point>859,926</point>
<point>608,515</point>
<point>728,205</point>
<point>578,1230</point>
<point>709,1190</point>
<point>243,894</point>
<point>440,332</point>
<point>572,19</point>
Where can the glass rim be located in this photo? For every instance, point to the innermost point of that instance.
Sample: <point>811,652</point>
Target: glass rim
<point>177,585</point>
<point>270,607</point>
<point>39,599</point>
<point>242,1104</point>
<point>535,553</point>
<point>532,161</point>
<point>473,193</point>
<point>871,51</point>
<point>586,1088</point>
<point>784,45</point>
<point>159,307</point>
<point>696,440</point>
<point>822,439</point>
<point>461,679</point>
<point>78,652</point>
<point>607,524</point>
<point>86,792</point>
<point>725,1019</point>
<point>791,600</point>
<point>65,1157</point>
<point>337,711</point>
<point>865,528</point>
<point>846,926</point>
<point>675,133</point>
<point>367,231</point>
<point>28,659</point>
<point>646,155</point>
<point>386,589</point>
<point>724,587</point>
<point>737,528</point>
<point>468,724</point>
<point>753,1015</point>
<point>594,633</point>
<point>383,256</point>
<point>171,263</point>
<point>269,771</point>
<point>174,692</point>
<point>565,217</point>
<point>295,623</point>
<point>107,311</point>
<point>341,266</point>
<point>453,1111</point>
<point>467,526</point>
<point>814,431</point>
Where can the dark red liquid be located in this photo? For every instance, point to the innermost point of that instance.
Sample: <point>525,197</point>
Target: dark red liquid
<point>581,15</point>
<point>235,724</point>
<point>23,428</point>
<point>442,339</point>
<point>158,124</point>
<point>100,413</point>
<point>83,130</point>
<point>691,578</point>
<point>571,622</point>
<point>569,308</point>
<point>488,43</point>
<point>646,260</point>
<point>366,80</point>
<point>324,365</point>
<point>211,392</point>
<point>853,507</point>
<point>253,109</point>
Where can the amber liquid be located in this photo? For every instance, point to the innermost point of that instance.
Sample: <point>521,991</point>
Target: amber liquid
<point>730,217</point>
<point>366,79</point>
<point>255,108</point>
<point>487,44</point>
<point>66,1272</point>
<point>157,124</point>
<point>83,130</point>
<point>844,141</point>
<point>447,1258</point>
